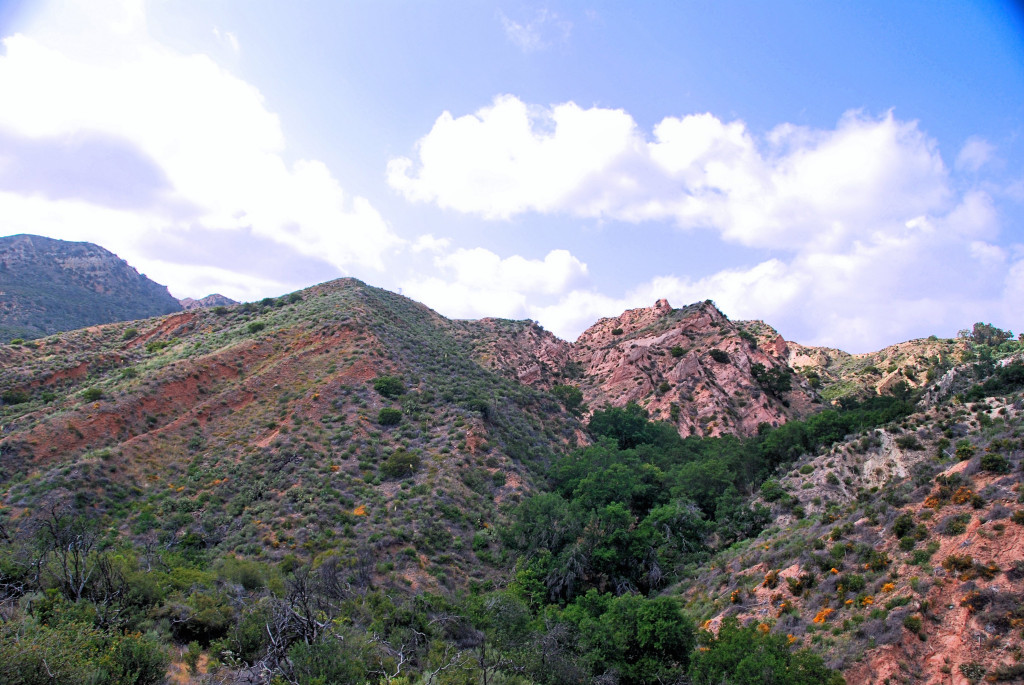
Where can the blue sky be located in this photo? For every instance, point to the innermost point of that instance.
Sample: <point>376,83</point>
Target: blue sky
<point>850,172</point>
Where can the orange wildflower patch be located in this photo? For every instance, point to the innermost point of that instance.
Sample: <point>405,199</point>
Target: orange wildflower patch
<point>962,495</point>
<point>360,510</point>
<point>822,615</point>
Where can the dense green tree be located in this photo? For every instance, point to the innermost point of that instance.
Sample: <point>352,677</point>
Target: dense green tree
<point>626,425</point>
<point>571,398</point>
<point>642,640</point>
<point>744,655</point>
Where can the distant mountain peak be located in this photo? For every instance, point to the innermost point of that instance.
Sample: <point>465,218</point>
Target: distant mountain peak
<point>214,300</point>
<point>49,285</point>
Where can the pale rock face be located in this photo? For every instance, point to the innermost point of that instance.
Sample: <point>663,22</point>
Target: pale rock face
<point>214,300</point>
<point>660,358</point>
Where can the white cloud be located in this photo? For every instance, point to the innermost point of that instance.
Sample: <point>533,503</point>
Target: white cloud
<point>872,241</point>
<point>219,148</point>
<point>483,269</point>
<point>987,253</point>
<point>227,37</point>
<point>796,186</point>
<point>477,282</point>
<point>428,243</point>
<point>975,153</point>
<point>508,158</point>
<point>538,33</point>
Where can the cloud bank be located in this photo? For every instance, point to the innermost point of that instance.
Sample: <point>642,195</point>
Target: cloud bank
<point>109,136</point>
<point>872,238</point>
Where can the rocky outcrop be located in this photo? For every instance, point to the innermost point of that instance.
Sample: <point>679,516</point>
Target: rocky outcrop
<point>521,350</point>
<point>691,366</point>
<point>214,300</point>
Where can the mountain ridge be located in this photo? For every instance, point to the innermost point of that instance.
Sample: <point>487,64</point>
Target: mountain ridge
<point>346,427</point>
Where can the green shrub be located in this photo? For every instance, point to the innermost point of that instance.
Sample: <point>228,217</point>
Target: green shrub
<point>400,464</point>
<point>191,657</point>
<point>92,394</point>
<point>32,653</point>
<point>389,417</point>
<point>958,563</point>
<point>807,468</point>
<point>570,396</point>
<point>14,397</point>
<point>903,525</point>
<point>720,356</point>
<point>329,661</point>
<point>913,623</point>
<point>909,442</point>
<point>995,463</point>
<point>772,490</point>
<point>616,331</point>
<point>389,386</point>
<point>677,351</point>
<point>853,582</point>
<point>256,326</point>
<point>156,345</point>
<point>748,655</point>
<point>955,525</point>
<point>775,381</point>
<point>964,450</point>
<point>973,671</point>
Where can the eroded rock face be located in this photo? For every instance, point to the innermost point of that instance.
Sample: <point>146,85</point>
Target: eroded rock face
<point>689,366</point>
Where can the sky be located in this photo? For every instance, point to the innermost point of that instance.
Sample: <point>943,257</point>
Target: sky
<point>850,172</point>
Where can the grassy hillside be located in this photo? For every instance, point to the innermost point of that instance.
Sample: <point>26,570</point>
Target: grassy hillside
<point>341,485</point>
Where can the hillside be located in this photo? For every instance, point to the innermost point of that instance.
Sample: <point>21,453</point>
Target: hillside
<point>178,426</point>
<point>341,484</point>
<point>51,285</point>
<point>897,553</point>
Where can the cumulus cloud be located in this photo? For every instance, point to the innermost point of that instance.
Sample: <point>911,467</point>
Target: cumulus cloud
<point>510,158</point>
<point>793,186</point>
<point>872,238</point>
<point>477,282</point>
<point>213,153</point>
